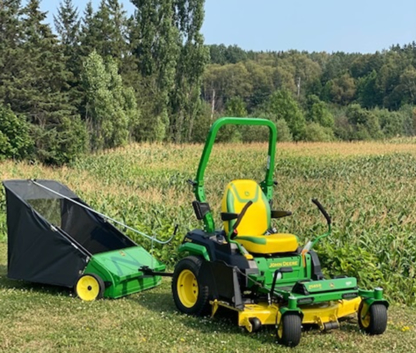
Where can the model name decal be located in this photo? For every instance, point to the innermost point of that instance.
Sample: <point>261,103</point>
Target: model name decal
<point>283,264</point>
<point>315,286</point>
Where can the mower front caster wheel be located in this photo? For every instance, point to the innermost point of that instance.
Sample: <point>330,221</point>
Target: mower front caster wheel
<point>374,322</point>
<point>90,287</point>
<point>289,330</point>
<point>189,295</point>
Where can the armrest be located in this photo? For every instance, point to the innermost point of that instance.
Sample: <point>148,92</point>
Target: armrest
<point>228,216</point>
<point>201,209</point>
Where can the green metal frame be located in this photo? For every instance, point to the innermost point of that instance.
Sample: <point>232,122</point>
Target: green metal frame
<point>194,249</point>
<point>266,185</point>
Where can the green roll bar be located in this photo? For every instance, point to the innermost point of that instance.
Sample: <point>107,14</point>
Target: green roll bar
<point>266,184</point>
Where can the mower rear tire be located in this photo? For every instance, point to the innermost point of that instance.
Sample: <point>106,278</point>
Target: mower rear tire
<point>189,295</point>
<point>375,320</point>
<point>289,330</point>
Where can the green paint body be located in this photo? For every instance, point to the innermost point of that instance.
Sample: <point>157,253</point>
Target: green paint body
<point>119,269</point>
<point>194,249</point>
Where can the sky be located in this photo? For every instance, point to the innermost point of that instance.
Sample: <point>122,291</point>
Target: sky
<point>364,26</point>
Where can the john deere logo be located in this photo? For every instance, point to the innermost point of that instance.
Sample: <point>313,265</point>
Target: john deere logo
<point>331,285</point>
<point>283,264</point>
<point>122,253</point>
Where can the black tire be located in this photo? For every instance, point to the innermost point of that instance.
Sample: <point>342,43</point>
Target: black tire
<point>375,320</point>
<point>89,287</point>
<point>189,295</point>
<point>289,330</point>
<point>255,324</point>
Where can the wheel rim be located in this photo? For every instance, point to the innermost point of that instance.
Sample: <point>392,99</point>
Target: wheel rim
<point>280,331</point>
<point>88,288</point>
<point>187,288</point>
<point>365,321</point>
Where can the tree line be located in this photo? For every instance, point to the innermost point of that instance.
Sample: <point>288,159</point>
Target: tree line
<point>101,79</point>
<point>318,96</point>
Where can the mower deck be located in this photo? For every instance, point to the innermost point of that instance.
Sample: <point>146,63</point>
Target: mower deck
<point>325,315</point>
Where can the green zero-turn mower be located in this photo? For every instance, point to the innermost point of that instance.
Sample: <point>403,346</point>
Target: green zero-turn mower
<point>263,275</point>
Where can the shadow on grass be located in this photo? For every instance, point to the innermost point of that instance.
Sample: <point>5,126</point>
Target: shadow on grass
<point>225,321</point>
<point>154,301</point>
<point>7,283</point>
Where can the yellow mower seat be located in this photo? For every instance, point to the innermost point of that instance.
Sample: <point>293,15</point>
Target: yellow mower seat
<point>252,230</point>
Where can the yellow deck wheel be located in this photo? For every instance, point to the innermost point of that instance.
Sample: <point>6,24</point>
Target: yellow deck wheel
<point>374,322</point>
<point>289,330</point>
<point>89,287</point>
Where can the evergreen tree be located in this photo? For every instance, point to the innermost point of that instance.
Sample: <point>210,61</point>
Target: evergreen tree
<point>67,24</point>
<point>155,45</point>
<point>119,44</point>
<point>111,110</point>
<point>42,93</point>
<point>118,30</point>
<point>102,24</point>
<point>105,31</point>
<point>89,32</point>
<point>12,58</point>
<point>193,56</point>
<point>10,24</point>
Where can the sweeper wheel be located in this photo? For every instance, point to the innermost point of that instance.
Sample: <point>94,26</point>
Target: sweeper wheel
<point>89,287</point>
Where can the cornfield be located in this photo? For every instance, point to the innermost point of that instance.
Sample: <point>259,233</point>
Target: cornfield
<point>368,188</point>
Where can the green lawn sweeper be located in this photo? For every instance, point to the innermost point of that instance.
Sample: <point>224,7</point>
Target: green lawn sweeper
<point>55,238</point>
<point>263,275</point>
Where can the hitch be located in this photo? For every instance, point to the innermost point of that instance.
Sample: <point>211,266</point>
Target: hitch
<point>147,271</point>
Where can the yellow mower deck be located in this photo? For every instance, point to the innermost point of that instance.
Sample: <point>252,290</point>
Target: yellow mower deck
<point>314,314</point>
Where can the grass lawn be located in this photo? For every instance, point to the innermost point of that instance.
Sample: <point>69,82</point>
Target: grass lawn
<point>36,318</point>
